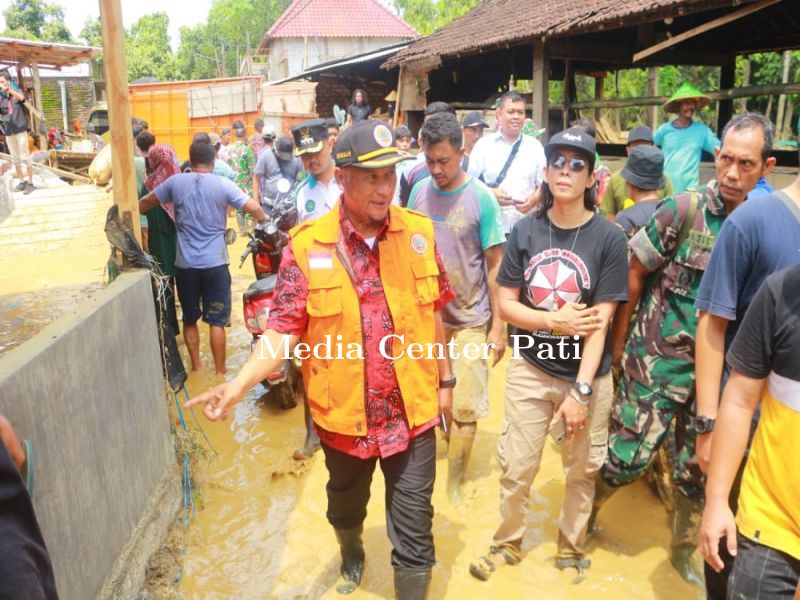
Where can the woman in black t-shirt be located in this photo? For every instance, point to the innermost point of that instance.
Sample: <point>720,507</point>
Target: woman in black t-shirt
<point>359,109</point>
<point>564,271</point>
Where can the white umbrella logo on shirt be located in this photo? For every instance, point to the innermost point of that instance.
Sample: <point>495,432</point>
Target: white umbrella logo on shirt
<point>553,285</point>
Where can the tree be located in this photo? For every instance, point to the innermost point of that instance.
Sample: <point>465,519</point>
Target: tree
<point>54,29</point>
<point>427,16</point>
<point>147,48</point>
<point>36,20</point>
<point>92,35</point>
<point>196,57</point>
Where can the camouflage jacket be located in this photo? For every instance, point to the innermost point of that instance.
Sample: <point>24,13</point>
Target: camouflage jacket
<point>243,162</point>
<point>660,350</point>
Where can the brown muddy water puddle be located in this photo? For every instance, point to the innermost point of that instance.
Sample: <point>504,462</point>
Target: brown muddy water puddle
<point>260,529</point>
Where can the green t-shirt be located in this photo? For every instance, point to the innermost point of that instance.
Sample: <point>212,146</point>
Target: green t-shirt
<point>616,193</point>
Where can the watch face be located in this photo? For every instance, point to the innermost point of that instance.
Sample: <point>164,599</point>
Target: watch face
<point>584,389</point>
<point>703,424</point>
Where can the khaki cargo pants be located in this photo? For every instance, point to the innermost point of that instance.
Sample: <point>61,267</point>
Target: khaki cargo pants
<point>532,397</point>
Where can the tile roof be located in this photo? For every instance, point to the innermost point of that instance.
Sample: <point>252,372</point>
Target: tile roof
<point>339,18</point>
<point>495,23</point>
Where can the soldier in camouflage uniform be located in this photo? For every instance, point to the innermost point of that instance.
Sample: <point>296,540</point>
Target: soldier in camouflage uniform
<point>656,396</point>
<point>243,162</point>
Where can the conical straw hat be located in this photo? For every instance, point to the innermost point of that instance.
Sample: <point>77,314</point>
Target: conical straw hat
<point>682,93</point>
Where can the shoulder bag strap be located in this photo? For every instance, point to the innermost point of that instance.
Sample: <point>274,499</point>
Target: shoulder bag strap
<point>686,227</point>
<point>509,160</point>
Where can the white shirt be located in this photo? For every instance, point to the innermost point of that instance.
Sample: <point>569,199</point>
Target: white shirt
<point>314,198</point>
<point>523,176</point>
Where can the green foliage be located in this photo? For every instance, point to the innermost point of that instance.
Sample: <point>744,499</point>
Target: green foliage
<point>36,20</point>
<point>196,57</point>
<point>147,49</point>
<point>426,16</point>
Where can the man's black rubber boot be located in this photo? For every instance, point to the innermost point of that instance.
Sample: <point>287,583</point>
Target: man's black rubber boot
<point>352,549</point>
<point>411,583</point>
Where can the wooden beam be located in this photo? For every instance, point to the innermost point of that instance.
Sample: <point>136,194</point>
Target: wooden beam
<point>119,115</point>
<point>695,31</point>
<point>541,79</point>
<point>567,99</point>
<point>652,90</point>
<point>599,92</point>
<point>589,52</point>
<point>50,169</point>
<point>745,92</point>
<point>37,101</point>
<point>396,118</point>
<point>727,79</point>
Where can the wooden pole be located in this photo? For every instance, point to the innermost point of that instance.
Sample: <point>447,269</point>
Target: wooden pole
<point>727,79</point>
<point>652,90</point>
<point>599,91</point>
<point>787,61</point>
<point>37,100</point>
<point>567,97</point>
<point>541,80</point>
<point>396,117</point>
<point>119,115</point>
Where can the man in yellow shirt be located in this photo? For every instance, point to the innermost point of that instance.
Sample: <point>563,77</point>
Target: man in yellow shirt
<point>763,356</point>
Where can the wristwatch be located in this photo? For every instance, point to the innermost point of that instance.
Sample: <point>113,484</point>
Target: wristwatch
<point>704,424</point>
<point>447,383</point>
<point>584,392</point>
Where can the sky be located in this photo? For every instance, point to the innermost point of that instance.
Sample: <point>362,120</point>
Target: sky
<point>180,12</point>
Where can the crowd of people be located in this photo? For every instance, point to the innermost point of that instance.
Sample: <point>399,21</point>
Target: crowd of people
<point>648,319</point>
<point>619,295</point>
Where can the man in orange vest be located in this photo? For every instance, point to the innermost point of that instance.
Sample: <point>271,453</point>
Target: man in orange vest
<point>361,288</point>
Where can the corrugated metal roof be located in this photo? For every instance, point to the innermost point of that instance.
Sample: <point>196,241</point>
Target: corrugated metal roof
<point>331,65</point>
<point>339,18</point>
<point>495,23</point>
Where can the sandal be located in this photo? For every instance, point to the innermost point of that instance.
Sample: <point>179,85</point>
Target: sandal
<point>485,566</point>
<point>573,562</point>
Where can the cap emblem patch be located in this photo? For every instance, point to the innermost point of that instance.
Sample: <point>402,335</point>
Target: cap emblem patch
<point>383,136</point>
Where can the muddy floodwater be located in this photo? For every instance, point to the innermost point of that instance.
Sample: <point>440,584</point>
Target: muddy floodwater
<point>260,529</point>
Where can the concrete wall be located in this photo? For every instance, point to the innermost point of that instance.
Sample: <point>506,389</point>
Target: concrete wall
<point>88,391</point>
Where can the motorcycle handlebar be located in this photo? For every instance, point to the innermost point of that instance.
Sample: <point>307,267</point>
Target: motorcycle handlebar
<point>246,253</point>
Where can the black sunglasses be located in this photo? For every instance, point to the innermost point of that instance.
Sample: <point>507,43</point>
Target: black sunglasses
<point>576,165</point>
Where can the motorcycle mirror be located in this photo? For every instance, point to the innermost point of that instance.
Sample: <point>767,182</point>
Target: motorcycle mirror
<point>283,185</point>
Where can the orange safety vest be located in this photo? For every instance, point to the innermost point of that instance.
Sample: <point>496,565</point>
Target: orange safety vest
<point>336,388</point>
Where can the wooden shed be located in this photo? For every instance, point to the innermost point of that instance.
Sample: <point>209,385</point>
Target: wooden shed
<point>469,59</point>
<point>24,54</point>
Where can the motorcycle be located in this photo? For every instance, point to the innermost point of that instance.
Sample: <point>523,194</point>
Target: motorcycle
<point>266,245</point>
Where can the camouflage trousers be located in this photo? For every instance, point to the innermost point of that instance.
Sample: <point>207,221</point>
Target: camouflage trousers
<point>641,421</point>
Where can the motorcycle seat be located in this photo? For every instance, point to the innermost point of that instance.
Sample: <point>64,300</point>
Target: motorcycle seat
<point>260,287</point>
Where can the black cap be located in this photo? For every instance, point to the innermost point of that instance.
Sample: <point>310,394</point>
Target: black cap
<point>309,136</point>
<point>474,119</point>
<point>369,145</point>
<point>572,138</point>
<point>284,147</point>
<point>640,133</point>
<point>645,168</point>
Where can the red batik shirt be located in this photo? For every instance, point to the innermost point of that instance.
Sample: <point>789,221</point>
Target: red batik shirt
<point>387,426</point>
